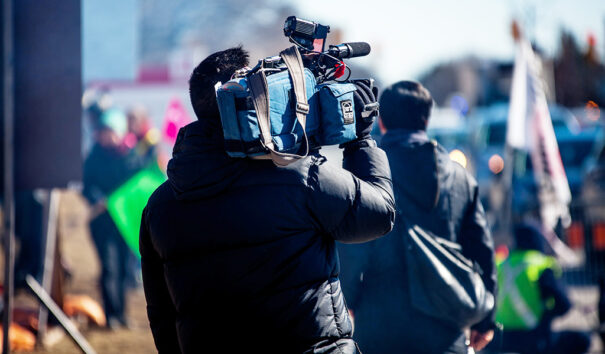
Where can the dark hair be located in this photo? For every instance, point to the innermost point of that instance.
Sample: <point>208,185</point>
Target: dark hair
<point>219,66</point>
<point>529,237</point>
<point>407,105</point>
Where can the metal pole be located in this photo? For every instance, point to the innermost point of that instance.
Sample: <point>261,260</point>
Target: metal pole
<point>509,170</point>
<point>65,322</point>
<point>9,213</point>
<point>51,211</point>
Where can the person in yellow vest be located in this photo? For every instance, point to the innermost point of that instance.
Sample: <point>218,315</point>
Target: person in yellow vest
<point>531,296</point>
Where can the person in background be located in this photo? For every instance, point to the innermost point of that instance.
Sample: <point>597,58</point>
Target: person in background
<point>106,168</point>
<point>142,142</point>
<point>436,194</point>
<point>531,296</point>
<point>29,257</point>
<point>142,137</point>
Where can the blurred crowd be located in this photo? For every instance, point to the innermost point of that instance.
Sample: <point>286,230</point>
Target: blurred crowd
<point>124,144</point>
<point>477,140</point>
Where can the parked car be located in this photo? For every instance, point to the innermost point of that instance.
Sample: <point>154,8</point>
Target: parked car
<point>593,190</point>
<point>574,149</point>
<point>489,138</point>
<point>590,234</point>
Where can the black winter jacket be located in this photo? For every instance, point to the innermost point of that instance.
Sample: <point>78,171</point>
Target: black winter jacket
<point>239,255</point>
<point>439,195</point>
<point>105,169</point>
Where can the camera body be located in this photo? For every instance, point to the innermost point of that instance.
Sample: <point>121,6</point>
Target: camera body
<point>330,117</point>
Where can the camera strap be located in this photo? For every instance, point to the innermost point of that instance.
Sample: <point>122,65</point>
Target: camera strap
<point>294,63</point>
<point>260,97</point>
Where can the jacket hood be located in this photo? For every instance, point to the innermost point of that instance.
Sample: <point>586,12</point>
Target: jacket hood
<point>200,167</point>
<point>529,236</point>
<point>417,165</point>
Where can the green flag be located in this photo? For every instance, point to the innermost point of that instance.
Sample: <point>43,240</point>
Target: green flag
<point>126,204</point>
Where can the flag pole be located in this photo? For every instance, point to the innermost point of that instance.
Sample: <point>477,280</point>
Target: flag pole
<point>8,205</point>
<point>509,159</point>
<point>529,127</point>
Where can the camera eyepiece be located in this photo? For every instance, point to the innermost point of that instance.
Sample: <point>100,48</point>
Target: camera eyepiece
<point>309,34</point>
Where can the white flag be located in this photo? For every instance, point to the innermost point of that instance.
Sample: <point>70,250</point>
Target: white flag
<point>530,128</point>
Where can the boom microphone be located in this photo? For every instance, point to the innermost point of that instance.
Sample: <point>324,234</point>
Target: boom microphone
<point>349,50</point>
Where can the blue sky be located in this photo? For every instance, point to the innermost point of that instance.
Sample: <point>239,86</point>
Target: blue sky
<point>408,37</point>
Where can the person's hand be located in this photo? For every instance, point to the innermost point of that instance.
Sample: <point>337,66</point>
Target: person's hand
<point>366,106</point>
<point>352,318</point>
<point>97,209</point>
<point>480,340</point>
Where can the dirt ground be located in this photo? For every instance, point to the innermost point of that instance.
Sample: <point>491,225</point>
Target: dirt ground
<point>80,255</point>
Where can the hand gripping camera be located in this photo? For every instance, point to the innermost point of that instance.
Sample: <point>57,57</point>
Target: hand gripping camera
<point>291,103</point>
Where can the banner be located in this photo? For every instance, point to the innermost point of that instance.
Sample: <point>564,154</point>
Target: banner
<point>176,117</point>
<point>126,204</point>
<point>530,129</point>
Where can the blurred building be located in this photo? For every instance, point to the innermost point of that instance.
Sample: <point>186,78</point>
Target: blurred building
<point>480,82</point>
<point>178,34</point>
<point>580,74</point>
<point>573,77</point>
<point>155,41</point>
<point>110,40</point>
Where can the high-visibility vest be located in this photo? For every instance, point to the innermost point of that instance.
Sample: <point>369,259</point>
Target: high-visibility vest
<point>520,305</point>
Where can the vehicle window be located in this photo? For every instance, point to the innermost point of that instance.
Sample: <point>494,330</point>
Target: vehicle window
<point>601,158</point>
<point>573,153</point>
<point>524,164</point>
<point>558,124</point>
<point>450,139</point>
<point>497,134</point>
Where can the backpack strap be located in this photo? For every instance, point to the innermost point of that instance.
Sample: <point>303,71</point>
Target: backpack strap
<point>260,97</point>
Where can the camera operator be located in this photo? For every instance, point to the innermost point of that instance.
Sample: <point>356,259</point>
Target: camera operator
<point>239,255</point>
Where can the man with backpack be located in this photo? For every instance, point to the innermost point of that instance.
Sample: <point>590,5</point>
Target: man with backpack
<point>437,196</point>
<point>239,255</point>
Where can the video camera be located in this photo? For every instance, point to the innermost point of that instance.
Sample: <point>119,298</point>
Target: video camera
<point>311,38</point>
<point>293,100</point>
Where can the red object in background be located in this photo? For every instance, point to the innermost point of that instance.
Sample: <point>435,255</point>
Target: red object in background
<point>130,140</point>
<point>176,117</point>
<point>340,69</point>
<point>150,73</point>
<point>592,41</point>
<point>74,305</point>
<point>575,235</point>
<point>593,112</point>
<point>501,253</point>
<point>20,339</point>
<point>598,236</point>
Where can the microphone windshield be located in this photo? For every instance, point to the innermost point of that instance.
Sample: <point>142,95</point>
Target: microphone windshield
<point>358,49</point>
<point>349,50</point>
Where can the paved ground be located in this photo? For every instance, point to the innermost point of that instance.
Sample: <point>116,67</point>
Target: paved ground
<point>583,315</point>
